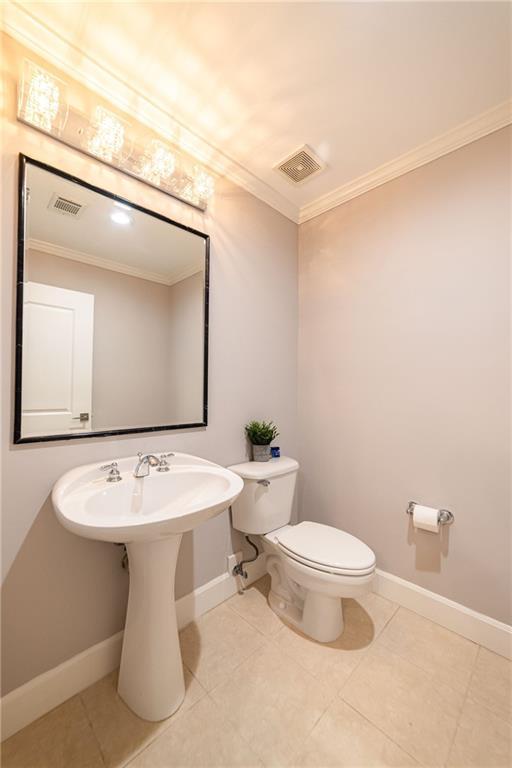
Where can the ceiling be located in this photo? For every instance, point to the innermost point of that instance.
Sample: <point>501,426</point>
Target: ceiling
<point>146,247</point>
<point>362,83</point>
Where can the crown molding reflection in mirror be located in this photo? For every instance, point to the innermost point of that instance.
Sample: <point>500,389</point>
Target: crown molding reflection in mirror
<point>45,103</point>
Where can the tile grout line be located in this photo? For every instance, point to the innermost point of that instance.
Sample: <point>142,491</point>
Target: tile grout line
<point>426,671</point>
<point>151,740</point>
<point>270,641</point>
<point>235,728</point>
<point>378,728</point>
<point>367,650</point>
<point>481,704</point>
<point>96,739</point>
<point>197,622</point>
<point>466,694</point>
<point>394,652</point>
<point>150,743</point>
<point>239,615</point>
<point>337,694</point>
<point>398,655</point>
<point>381,730</point>
<point>246,658</point>
<point>488,710</point>
<point>388,650</point>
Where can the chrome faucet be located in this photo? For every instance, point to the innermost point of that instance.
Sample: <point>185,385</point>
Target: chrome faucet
<point>144,464</point>
<point>150,460</point>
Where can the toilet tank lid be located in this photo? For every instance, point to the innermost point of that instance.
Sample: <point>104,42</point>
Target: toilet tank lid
<point>264,470</point>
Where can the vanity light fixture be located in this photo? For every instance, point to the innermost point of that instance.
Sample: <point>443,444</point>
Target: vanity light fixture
<point>41,99</point>
<point>158,163</point>
<point>129,147</point>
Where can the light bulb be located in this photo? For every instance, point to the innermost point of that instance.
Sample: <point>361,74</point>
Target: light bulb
<point>158,163</point>
<point>107,137</point>
<point>204,184</point>
<point>41,100</point>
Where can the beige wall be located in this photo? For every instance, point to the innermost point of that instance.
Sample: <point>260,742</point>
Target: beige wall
<point>404,371</point>
<point>184,383</point>
<point>62,593</point>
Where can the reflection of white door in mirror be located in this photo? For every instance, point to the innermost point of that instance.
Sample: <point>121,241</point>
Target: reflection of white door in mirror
<point>58,327</point>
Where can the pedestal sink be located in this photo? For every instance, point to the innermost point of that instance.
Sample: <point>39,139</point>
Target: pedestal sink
<point>149,515</point>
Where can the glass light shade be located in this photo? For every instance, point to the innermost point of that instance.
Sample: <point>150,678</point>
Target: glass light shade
<point>204,184</point>
<point>187,192</point>
<point>158,163</point>
<point>42,99</point>
<point>106,136</point>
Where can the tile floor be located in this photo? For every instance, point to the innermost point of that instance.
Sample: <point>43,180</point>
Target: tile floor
<point>394,690</point>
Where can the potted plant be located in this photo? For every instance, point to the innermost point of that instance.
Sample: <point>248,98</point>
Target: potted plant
<point>260,435</point>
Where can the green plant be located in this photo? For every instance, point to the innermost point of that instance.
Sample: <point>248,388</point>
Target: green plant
<point>261,432</point>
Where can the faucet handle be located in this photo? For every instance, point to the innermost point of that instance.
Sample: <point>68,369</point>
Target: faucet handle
<point>112,465</point>
<point>164,466</point>
<point>114,476</point>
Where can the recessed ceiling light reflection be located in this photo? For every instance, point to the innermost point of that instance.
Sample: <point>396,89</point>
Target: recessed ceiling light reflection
<point>120,215</point>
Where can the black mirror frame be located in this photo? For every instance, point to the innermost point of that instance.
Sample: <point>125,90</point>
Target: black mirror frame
<point>24,160</point>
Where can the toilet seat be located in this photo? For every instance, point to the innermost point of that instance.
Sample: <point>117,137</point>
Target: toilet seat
<point>324,548</point>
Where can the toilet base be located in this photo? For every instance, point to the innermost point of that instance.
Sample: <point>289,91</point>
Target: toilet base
<point>320,617</point>
<point>310,600</point>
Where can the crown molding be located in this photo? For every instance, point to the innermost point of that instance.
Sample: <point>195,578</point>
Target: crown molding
<point>476,128</point>
<point>20,24</point>
<point>113,266</point>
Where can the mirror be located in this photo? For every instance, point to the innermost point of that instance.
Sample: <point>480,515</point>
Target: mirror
<point>112,313</point>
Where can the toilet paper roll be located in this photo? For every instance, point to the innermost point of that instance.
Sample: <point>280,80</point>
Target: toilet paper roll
<point>426,518</point>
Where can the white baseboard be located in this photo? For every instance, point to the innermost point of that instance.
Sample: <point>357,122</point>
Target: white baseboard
<point>37,697</point>
<point>45,692</point>
<point>482,629</point>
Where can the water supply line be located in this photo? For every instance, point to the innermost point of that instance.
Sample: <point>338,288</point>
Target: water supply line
<point>239,569</point>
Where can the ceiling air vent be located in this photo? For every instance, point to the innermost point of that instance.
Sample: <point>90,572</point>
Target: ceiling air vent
<point>301,165</point>
<point>66,207</point>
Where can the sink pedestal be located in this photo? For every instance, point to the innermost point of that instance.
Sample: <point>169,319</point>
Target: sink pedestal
<point>151,676</point>
<point>150,514</point>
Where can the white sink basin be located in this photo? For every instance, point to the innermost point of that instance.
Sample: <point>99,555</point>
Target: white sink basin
<point>149,515</point>
<point>138,509</point>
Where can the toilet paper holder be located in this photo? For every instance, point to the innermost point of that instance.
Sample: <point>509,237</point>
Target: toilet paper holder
<point>444,516</point>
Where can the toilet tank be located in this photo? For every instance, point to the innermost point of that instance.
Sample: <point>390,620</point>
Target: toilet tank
<point>266,501</point>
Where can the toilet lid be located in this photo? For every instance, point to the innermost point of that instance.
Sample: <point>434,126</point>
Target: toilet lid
<point>326,548</point>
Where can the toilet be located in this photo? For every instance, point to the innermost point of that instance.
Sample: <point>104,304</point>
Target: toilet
<point>311,566</point>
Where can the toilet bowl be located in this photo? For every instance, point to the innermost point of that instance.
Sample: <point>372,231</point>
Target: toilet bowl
<point>312,566</point>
